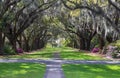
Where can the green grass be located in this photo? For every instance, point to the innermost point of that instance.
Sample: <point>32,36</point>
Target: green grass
<point>42,54</point>
<point>65,53</point>
<point>22,70</point>
<point>73,54</point>
<point>91,71</point>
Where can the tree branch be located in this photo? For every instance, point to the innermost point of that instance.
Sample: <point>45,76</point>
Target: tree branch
<point>114,5</point>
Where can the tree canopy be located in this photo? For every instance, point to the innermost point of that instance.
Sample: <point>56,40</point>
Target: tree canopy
<point>33,23</point>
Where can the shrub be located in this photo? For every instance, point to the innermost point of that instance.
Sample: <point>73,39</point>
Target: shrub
<point>19,50</point>
<point>97,46</point>
<point>94,50</point>
<point>118,43</point>
<point>8,50</point>
<point>114,49</point>
<point>116,53</point>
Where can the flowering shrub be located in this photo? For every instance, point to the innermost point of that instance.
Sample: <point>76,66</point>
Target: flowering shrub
<point>19,50</point>
<point>113,49</point>
<point>94,50</point>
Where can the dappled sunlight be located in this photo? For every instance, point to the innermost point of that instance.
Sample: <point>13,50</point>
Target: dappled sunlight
<point>91,71</point>
<point>65,53</point>
<point>68,50</point>
<point>43,54</point>
<point>79,55</point>
<point>25,66</point>
<point>21,70</point>
<point>114,67</point>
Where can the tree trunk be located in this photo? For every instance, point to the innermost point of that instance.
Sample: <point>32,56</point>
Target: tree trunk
<point>42,44</point>
<point>37,43</point>
<point>1,42</point>
<point>20,41</point>
<point>76,44</point>
<point>13,43</point>
<point>109,39</point>
<point>85,44</point>
<point>87,47</point>
<point>27,48</point>
<point>102,42</point>
<point>82,44</point>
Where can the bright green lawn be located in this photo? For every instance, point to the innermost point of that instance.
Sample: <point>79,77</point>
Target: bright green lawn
<point>21,70</point>
<point>44,54</point>
<point>91,71</point>
<point>74,54</point>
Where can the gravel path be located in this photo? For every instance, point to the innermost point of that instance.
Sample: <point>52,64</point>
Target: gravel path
<point>54,69</point>
<point>89,62</point>
<point>57,61</point>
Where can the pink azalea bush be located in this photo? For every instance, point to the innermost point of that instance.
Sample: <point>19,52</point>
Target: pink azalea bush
<point>94,50</point>
<point>19,50</point>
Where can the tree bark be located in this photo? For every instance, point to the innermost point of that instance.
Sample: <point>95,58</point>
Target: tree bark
<point>88,42</point>
<point>101,42</point>
<point>27,48</point>
<point>85,44</point>
<point>82,44</point>
<point>13,43</point>
<point>1,42</point>
<point>20,41</point>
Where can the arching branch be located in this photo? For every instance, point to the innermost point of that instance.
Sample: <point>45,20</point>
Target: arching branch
<point>114,5</point>
<point>98,11</point>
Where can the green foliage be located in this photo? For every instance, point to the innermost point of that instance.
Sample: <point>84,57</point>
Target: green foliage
<point>117,43</point>
<point>8,50</point>
<point>116,53</point>
<point>1,24</point>
<point>68,42</point>
<point>48,45</point>
<point>63,42</point>
<point>94,41</point>
<point>97,46</point>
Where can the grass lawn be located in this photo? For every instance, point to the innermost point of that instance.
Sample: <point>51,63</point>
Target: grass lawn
<point>44,54</point>
<point>22,70</point>
<point>91,71</point>
<point>65,53</point>
<point>74,54</point>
